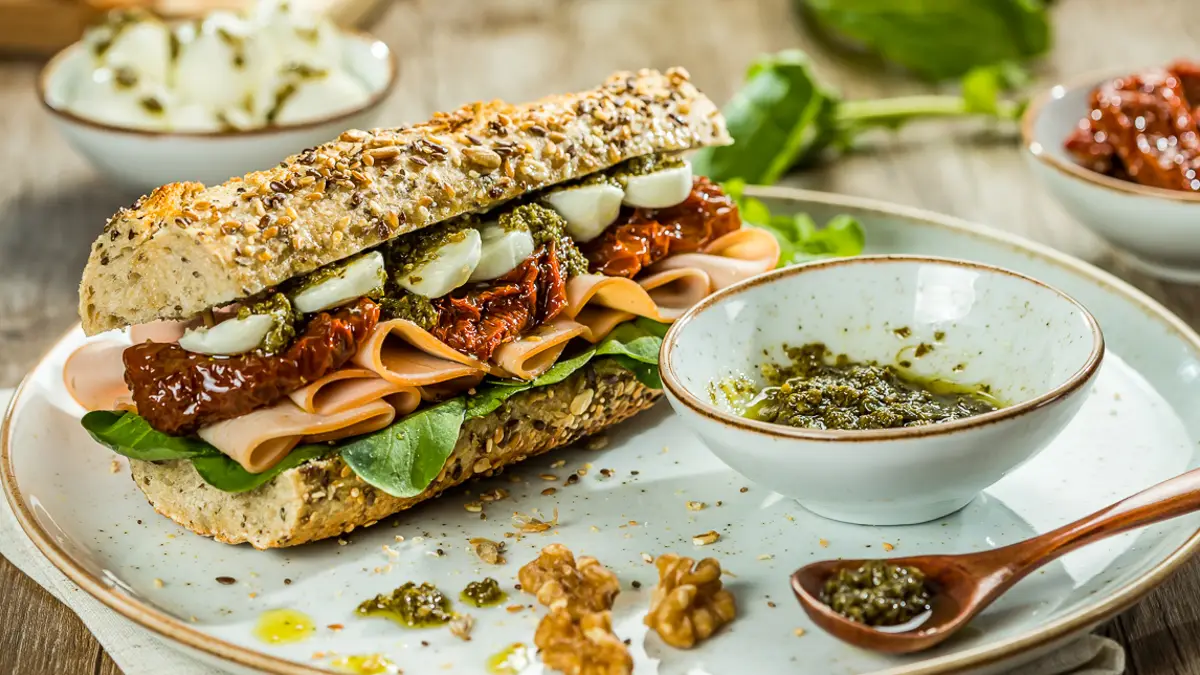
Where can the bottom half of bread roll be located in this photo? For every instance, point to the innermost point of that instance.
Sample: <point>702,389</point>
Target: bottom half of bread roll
<point>324,498</point>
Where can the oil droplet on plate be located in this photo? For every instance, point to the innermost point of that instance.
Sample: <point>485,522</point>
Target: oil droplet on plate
<point>510,660</point>
<point>284,626</point>
<point>366,664</point>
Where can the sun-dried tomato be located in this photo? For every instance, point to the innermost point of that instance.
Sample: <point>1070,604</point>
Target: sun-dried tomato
<point>178,391</point>
<point>1143,128</point>
<point>642,237</point>
<point>478,320</point>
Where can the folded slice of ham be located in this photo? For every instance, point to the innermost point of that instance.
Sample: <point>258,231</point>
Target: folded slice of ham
<point>351,387</point>
<point>731,258</point>
<point>258,440</point>
<point>533,354</point>
<point>94,375</point>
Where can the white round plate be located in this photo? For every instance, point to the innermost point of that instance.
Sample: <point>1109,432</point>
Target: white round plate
<point>96,526</point>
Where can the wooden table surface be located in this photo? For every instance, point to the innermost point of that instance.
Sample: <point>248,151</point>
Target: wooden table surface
<point>52,204</point>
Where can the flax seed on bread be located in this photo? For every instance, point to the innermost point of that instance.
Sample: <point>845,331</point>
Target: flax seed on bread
<point>186,248</point>
<point>323,498</point>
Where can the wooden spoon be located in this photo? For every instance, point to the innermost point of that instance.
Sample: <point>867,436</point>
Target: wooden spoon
<point>963,585</point>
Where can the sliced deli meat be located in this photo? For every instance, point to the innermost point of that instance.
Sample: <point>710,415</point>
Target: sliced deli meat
<point>94,375</point>
<point>258,440</point>
<point>533,354</point>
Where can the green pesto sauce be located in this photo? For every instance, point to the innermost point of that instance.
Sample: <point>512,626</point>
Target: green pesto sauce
<point>877,593</point>
<point>814,393</point>
<point>546,226</point>
<point>484,593</point>
<point>410,605</point>
<point>640,166</point>
<point>400,304</point>
<point>286,321</point>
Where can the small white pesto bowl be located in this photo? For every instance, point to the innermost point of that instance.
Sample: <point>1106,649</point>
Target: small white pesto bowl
<point>144,159</point>
<point>1155,230</point>
<point>1036,347</point>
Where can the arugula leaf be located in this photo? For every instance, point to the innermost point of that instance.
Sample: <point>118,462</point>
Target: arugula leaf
<point>404,458</point>
<point>939,39</point>
<point>227,475</point>
<point>783,117</point>
<point>799,237</point>
<point>132,436</point>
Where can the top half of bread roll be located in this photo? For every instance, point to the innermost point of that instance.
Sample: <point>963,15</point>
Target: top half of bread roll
<point>185,248</point>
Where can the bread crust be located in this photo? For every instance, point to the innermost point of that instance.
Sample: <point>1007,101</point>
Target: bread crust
<point>324,498</point>
<point>186,248</point>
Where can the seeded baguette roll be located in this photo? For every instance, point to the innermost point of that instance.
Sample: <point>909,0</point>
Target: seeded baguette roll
<point>186,248</point>
<point>324,498</point>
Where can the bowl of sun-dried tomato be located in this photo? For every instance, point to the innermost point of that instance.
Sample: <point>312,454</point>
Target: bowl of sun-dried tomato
<point>1121,153</point>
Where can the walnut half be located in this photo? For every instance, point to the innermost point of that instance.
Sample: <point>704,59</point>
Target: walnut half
<point>560,582</point>
<point>688,605</point>
<point>583,645</point>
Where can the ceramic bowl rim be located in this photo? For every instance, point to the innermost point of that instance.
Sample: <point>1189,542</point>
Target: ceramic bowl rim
<point>372,102</point>
<point>1055,394</point>
<point>1053,632</point>
<point>1071,170</point>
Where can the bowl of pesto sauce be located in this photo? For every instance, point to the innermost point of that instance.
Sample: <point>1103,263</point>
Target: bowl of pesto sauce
<point>881,390</point>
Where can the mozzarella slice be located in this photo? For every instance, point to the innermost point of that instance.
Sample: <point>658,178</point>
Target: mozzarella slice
<point>501,251</point>
<point>660,189</point>
<point>212,68</point>
<point>235,336</point>
<point>360,277</point>
<point>316,97</point>
<point>143,47</point>
<point>588,209</point>
<point>450,267</point>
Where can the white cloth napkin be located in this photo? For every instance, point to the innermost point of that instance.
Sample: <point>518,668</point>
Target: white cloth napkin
<point>137,652</point>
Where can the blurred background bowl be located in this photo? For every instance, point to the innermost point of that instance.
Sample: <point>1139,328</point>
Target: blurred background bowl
<point>144,159</point>
<point>1155,230</point>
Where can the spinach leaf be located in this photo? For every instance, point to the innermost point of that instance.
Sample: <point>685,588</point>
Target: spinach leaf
<point>634,344</point>
<point>132,436</point>
<point>783,117</point>
<point>781,114</point>
<point>799,237</point>
<point>227,475</point>
<point>938,39</point>
<point>404,458</point>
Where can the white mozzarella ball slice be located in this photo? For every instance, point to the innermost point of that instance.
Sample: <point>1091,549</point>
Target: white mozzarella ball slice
<point>193,117</point>
<point>358,278</point>
<point>588,209</point>
<point>501,251</point>
<point>660,189</point>
<point>450,267</point>
<point>315,97</point>
<point>235,336</point>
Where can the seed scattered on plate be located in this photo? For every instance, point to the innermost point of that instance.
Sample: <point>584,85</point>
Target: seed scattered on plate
<point>515,608</point>
<point>636,584</point>
<point>745,489</point>
<point>823,542</point>
<point>765,556</point>
<point>335,627</point>
<point>800,632</point>
<point>572,479</point>
<point>548,491</point>
<point>719,502</point>
<point>548,476</point>
<point>707,538</point>
<point>646,558</point>
<point>158,583</point>
<point>771,604</point>
<point>558,464</point>
<point>696,506</point>
<point>473,507</point>
<point>226,581</point>
<point>888,547</point>
<point>461,625</point>
<point>115,466</point>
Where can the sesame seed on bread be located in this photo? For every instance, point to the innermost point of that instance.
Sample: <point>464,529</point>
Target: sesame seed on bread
<point>186,248</point>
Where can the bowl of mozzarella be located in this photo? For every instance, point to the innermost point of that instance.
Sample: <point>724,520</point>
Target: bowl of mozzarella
<point>150,102</point>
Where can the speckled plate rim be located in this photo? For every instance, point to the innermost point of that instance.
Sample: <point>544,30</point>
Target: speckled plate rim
<point>170,628</point>
<point>1035,147</point>
<point>673,384</point>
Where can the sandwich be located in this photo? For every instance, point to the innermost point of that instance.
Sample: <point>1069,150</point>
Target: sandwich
<point>306,350</point>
